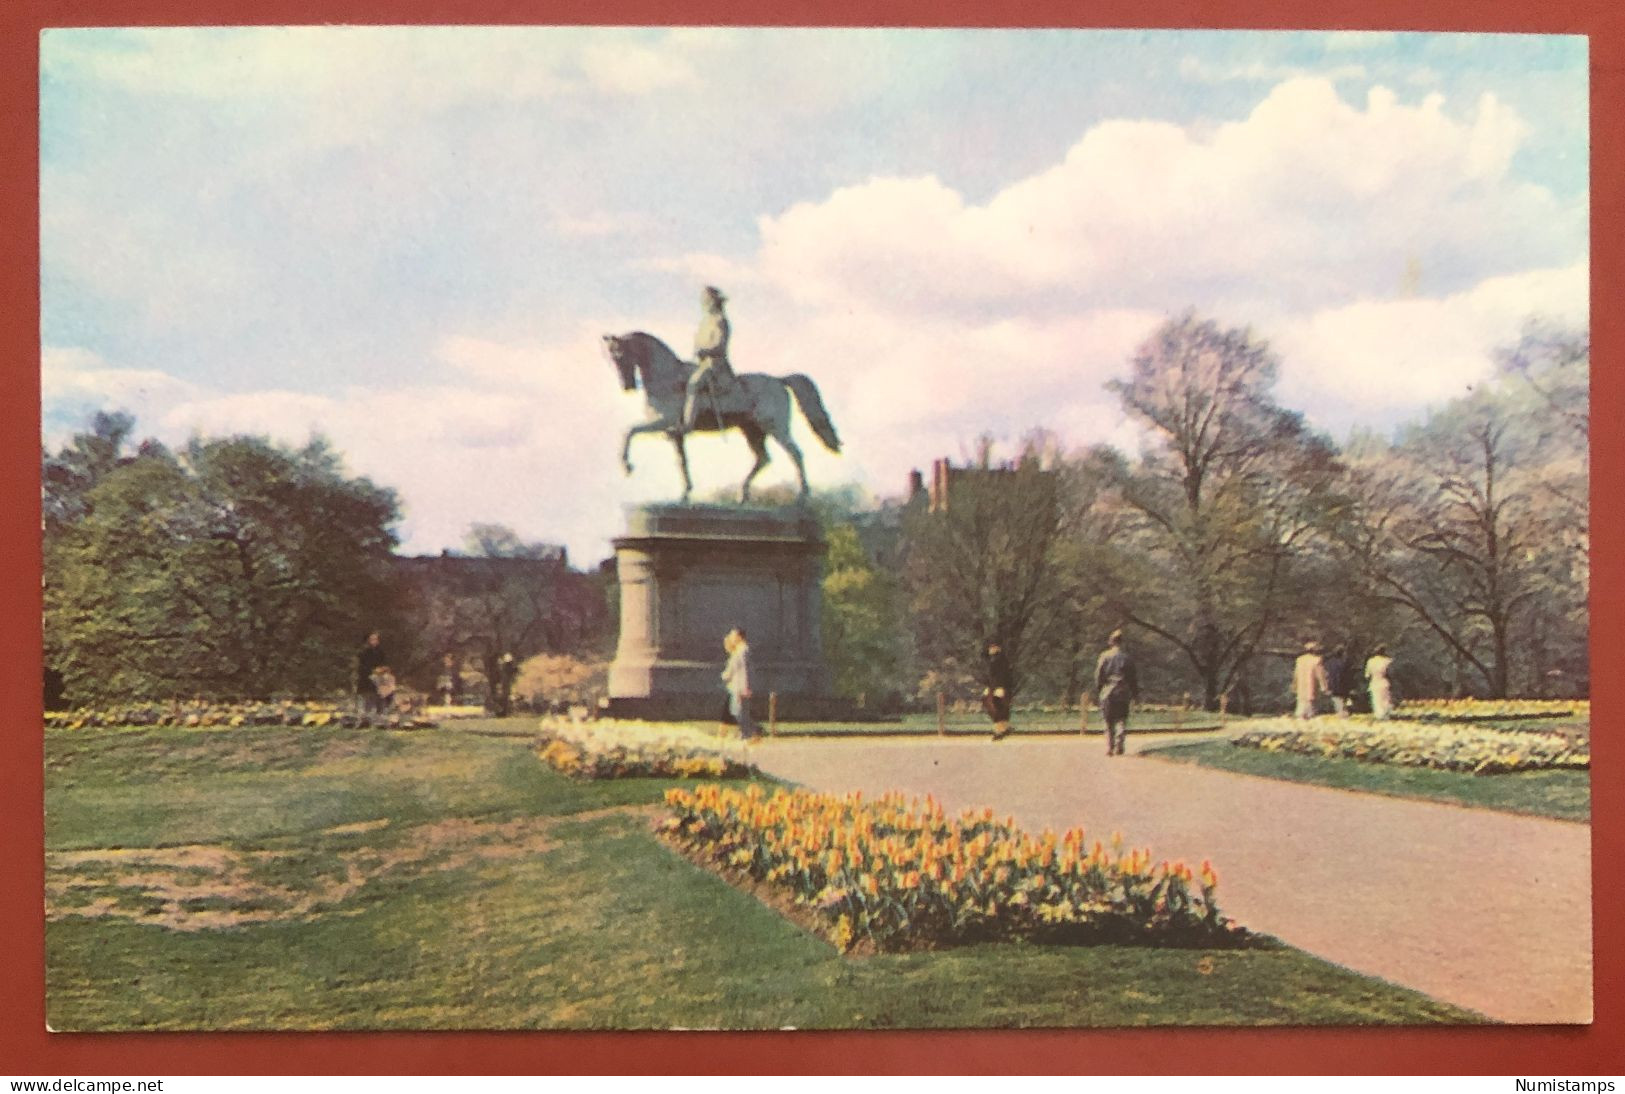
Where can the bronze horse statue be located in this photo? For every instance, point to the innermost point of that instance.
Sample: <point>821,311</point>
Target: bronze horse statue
<point>755,404</point>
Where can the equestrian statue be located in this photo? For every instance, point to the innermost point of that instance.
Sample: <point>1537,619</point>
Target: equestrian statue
<point>706,396</point>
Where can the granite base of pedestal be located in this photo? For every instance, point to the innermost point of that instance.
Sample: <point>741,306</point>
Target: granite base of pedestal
<point>690,573</point>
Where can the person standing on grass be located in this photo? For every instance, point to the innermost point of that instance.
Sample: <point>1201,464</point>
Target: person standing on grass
<point>370,658</point>
<point>1116,684</point>
<point>507,673</point>
<point>383,685</point>
<point>1382,690</point>
<point>736,678</point>
<point>1337,680</point>
<point>1309,679</point>
<point>1001,686</point>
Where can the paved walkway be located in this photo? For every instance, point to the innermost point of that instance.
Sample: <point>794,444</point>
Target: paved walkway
<point>1490,911</point>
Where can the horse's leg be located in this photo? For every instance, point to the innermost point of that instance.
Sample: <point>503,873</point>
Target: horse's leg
<point>782,435</point>
<point>758,446</point>
<point>626,446</point>
<point>682,461</point>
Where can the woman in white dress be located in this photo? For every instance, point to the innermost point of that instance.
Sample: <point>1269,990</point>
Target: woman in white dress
<point>1376,674</point>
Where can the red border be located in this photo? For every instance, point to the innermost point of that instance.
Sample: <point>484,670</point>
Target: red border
<point>25,1048</point>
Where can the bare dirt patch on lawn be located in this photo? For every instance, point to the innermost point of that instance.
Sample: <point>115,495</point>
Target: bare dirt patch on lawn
<point>212,886</point>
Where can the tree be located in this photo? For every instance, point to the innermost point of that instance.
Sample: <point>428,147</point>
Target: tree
<point>237,568</point>
<point>67,476</point>
<point>864,635</point>
<point>990,560</point>
<point>1460,525</point>
<point>504,595</point>
<point>1217,514</point>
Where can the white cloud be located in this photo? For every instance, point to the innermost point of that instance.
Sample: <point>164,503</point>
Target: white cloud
<point>75,382</point>
<point>1307,200</point>
<point>1260,72</point>
<point>1379,360</point>
<point>625,69</point>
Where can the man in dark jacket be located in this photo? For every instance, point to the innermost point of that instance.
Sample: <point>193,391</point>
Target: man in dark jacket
<point>1115,685</point>
<point>371,658</point>
<point>1337,679</point>
<point>1000,687</point>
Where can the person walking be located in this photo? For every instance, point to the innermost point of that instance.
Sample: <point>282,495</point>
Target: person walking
<point>368,660</point>
<point>736,678</point>
<point>1001,686</point>
<point>1116,685</point>
<point>1337,680</point>
<point>1382,689</point>
<point>1309,679</point>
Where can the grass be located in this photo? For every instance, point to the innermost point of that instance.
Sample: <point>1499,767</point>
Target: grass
<point>446,879</point>
<point>1562,795</point>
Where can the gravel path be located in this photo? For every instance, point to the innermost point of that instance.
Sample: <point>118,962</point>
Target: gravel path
<point>1490,911</point>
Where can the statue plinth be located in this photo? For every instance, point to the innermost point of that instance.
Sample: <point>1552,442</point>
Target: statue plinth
<point>690,573</point>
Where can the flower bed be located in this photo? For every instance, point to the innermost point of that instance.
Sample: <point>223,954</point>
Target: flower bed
<point>1446,747</point>
<point>203,715</point>
<point>1490,710</point>
<point>630,749</point>
<point>897,874</point>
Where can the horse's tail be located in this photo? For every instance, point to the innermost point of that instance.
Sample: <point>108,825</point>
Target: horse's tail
<point>806,393</point>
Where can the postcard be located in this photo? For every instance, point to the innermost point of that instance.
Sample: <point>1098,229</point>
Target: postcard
<point>650,528</point>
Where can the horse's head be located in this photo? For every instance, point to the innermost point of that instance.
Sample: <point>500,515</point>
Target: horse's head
<point>623,350</point>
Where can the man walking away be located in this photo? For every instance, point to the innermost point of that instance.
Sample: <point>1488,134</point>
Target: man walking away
<point>1116,684</point>
<point>1001,684</point>
<point>736,678</point>
<point>1309,679</point>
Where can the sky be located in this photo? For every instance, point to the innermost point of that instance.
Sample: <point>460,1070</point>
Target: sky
<point>411,240</point>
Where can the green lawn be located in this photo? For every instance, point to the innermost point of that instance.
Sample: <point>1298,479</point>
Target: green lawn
<point>1564,795</point>
<point>314,879</point>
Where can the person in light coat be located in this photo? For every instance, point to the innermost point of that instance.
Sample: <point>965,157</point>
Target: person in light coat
<point>736,678</point>
<point>1382,689</point>
<point>1309,681</point>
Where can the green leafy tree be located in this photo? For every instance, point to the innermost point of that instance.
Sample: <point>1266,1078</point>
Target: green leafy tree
<point>235,568</point>
<point>865,641</point>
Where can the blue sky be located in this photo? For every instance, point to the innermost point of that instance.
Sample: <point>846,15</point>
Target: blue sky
<point>410,239</point>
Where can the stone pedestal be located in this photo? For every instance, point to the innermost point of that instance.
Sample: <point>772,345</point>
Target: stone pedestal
<point>689,573</point>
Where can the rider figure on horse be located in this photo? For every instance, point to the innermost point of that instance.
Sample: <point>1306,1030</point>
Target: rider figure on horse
<point>711,356</point>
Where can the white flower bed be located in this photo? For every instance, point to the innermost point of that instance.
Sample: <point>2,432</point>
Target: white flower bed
<point>617,749</point>
<point>1445,746</point>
